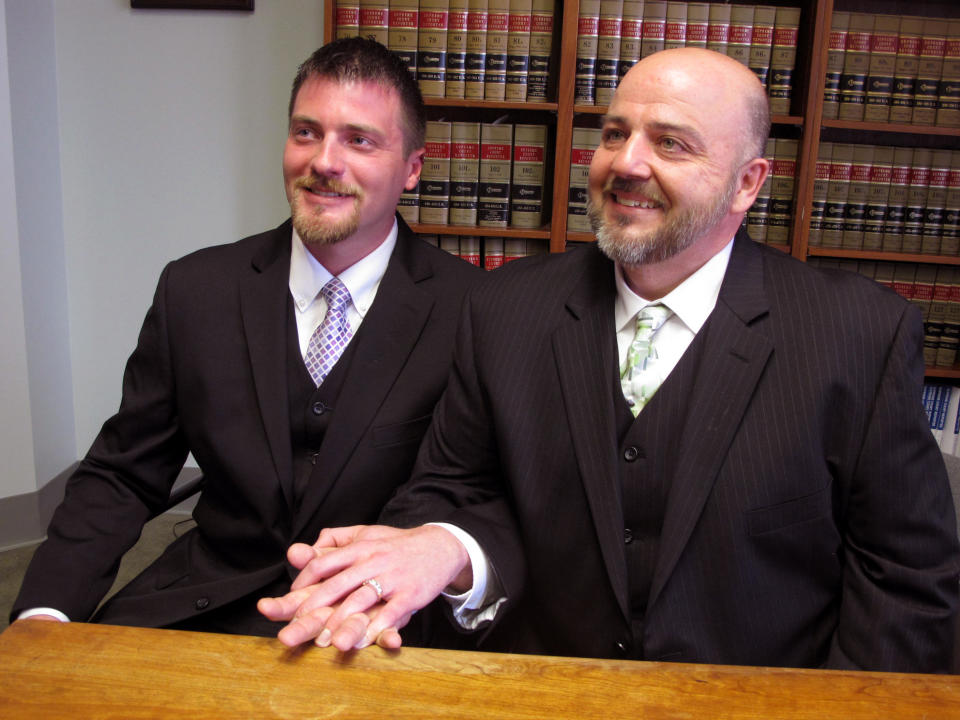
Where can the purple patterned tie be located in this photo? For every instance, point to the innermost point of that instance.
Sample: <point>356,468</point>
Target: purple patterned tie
<point>331,337</point>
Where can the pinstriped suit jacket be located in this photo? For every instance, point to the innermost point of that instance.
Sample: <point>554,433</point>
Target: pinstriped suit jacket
<point>809,522</point>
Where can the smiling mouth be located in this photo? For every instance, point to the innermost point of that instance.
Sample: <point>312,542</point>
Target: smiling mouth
<point>643,204</point>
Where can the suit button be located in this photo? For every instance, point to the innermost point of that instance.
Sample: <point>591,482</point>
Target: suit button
<point>632,453</point>
<point>627,536</point>
<point>202,603</point>
<point>319,408</point>
<point>623,647</point>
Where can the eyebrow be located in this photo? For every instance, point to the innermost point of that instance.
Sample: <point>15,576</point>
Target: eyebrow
<point>353,127</point>
<point>686,131</point>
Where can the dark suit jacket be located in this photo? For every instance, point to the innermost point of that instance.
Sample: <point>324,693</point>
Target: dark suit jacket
<point>209,376</point>
<point>809,521</point>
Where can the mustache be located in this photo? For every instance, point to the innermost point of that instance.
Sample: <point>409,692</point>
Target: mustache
<point>325,185</point>
<point>647,188</point>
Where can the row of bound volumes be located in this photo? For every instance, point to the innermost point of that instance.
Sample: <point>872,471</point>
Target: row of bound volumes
<point>934,289</point>
<point>480,174</point>
<point>612,35</point>
<point>470,49</point>
<point>893,69</point>
<point>487,252</point>
<point>895,199</point>
<point>942,403</point>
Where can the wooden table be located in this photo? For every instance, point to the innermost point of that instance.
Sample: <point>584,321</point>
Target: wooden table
<point>49,670</point>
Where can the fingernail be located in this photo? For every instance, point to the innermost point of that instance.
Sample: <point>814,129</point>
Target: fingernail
<point>323,639</point>
<point>364,642</point>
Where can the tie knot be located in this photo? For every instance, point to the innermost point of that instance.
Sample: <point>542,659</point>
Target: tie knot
<point>336,294</point>
<point>652,317</point>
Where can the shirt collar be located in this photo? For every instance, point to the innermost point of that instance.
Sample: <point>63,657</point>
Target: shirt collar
<point>308,276</point>
<point>691,301</point>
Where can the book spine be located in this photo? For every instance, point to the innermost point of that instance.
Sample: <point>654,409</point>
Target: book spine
<point>494,191</point>
<point>841,163</point>
<point>904,276</point>
<point>840,24</point>
<point>476,58</point>
<point>492,253</point>
<point>347,17</point>
<point>698,24</point>
<point>435,176</point>
<point>470,249</point>
<point>883,60</point>
<point>608,50</point>
<point>741,33</point>
<point>948,91</point>
<point>456,50</point>
<point>588,28</point>
<point>897,202</point>
<point>675,31</point>
<point>432,48</point>
<point>464,172</point>
<point>856,64</point>
<point>514,249</point>
<point>526,191</point>
<point>654,27</point>
<point>783,58</point>
<point>905,70</point>
<point>541,47</point>
<point>916,200</point>
<point>929,69</point>
<point>718,32</point>
<point>409,205</point>
<point>933,214</point>
<point>856,207</point>
<point>821,181</point>
<point>761,42</point>
<point>403,21</point>
<point>950,242</point>
<point>498,31</point>
<point>631,33</point>
<point>759,213</point>
<point>451,244</point>
<point>585,142</point>
<point>877,198</point>
<point>781,191</point>
<point>518,50</point>
<point>374,20</point>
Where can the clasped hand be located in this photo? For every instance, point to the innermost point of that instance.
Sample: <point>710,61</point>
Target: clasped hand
<point>329,602</point>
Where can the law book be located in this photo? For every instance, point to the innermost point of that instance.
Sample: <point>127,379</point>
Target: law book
<point>585,142</point>
<point>877,198</point>
<point>856,64</point>
<point>856,207</point>
<point>933,214</point>
<point>654,27</point>
<point>455,82</point>
<point>675,30</point>
<point>938,308</point>
<point>916,199</point>
<point>838,188</point>
<point>761,41</point>
<point>926,275</point>
<point>904,276</point>
<point>718,32</point>
<point>403,21</point>
<point>588,29</point>
<point>476,58</point>
<point>408,205</point>
<point>950,242</point>
<point>784,173</point>
<point>470,249</point>
<point>821,180</point>
<point>741,33</point>
<point>432,48</point>
<point>541,47</point>
<point>347,18</point>
<point>518,50</point>
<point>883,60</point>
<point>836,51</point>
<point>631,34</point>
<point>608,50</point>
<point>374,20</point>
<point>496,141</point>
<point>492,253</point>
<point>529,165</point>
<point>897,199</point>
<point>783,58</point>
<point>698,24</point>
<point>498,31</point>
<point>451,244</point>
<point>905,70</point>
<point>759,213</point>
<point>948,91</point>
<point>514,249</point>
<point>929,68</point>
<point>435,175</point>
<point>464,172</point>
<point>884,275</point>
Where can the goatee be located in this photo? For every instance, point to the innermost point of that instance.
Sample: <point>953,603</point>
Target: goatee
<point>315,226</point>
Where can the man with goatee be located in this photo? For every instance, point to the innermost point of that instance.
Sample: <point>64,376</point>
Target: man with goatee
<point>299,366</point>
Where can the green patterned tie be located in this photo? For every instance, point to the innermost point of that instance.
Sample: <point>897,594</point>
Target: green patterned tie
<point>639,376</point>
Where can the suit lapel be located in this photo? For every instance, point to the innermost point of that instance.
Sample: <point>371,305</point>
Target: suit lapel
<point>385,340</point>
<point>584,353</point>
<point>733,359</point>
<point>264,306</point>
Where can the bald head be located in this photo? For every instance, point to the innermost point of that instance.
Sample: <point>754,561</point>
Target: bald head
<point>716,83</point>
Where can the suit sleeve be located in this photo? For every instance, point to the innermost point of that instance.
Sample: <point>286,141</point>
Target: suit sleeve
<point>125,477</point>
<point>900,582</point>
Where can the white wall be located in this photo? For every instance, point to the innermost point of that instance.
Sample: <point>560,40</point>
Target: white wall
<point>169,126</point>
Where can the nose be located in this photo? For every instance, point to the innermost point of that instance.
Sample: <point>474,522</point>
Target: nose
<point>632,159</point>
<point>328,159</point>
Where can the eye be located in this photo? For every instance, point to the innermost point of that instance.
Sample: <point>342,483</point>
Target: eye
<point>613,135</point>
<point>303,133</point>
<point>671,144</point>
<point>361,141</point>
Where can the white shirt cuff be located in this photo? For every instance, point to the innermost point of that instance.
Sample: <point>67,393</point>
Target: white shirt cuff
<point>43,611</point>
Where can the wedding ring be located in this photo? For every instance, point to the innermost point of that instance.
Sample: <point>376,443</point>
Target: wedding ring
<point>374,583</point>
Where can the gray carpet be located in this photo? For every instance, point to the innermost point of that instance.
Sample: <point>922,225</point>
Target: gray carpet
<point>157,534</point>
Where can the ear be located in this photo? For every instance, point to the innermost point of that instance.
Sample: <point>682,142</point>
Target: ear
<point>749,181</point>
<point>415,165</point>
